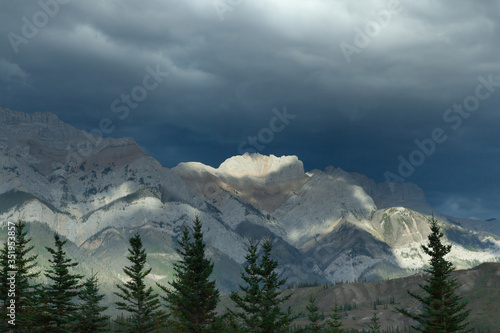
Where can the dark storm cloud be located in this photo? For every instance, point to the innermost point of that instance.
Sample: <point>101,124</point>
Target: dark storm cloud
<point>226,76</point>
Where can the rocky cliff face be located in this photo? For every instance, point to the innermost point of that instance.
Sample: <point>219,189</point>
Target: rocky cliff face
<point>263,181</point>
<point>326,225</point>
<point>47,144</point>
<point>44,157</point>
<point>268,170</point>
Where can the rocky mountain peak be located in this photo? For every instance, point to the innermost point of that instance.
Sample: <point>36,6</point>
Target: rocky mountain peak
<point>45,126</point>
<point>262,168</point>
<point>9,117</point>
<point>47,143</point>
<point>193,169</point>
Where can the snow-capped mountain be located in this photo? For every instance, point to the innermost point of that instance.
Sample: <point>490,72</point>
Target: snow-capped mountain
<point>326,225</point>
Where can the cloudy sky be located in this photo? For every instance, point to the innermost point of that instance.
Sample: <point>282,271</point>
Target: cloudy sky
<point>351,84</point>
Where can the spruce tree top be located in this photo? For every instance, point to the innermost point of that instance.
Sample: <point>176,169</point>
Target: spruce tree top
<point>193,297</point>
<point>139,300</point>
<point>60,265</point>
<point>442,310</point>
<point>137,256</point>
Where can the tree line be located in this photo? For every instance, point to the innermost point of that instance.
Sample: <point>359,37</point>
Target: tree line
<point>70,302</point>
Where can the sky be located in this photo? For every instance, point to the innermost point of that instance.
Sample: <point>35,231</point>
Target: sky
<point>398,90</point>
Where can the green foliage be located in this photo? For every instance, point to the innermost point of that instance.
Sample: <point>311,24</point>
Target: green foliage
<point>4,285</point>
<point>193,297</point>
<point>26,288</point>
<point>250,301</point>
<point>334,324</point>
<point>442,309</point>
<point>140,301</point>
<point>273,319</point>
<point>313,316</point>
<point>58,309</point>
<point>374,323</point>
<point>261,302</point>
<point>90,318</point>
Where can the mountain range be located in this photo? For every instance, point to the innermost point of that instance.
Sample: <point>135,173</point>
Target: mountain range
<point>326,225</point>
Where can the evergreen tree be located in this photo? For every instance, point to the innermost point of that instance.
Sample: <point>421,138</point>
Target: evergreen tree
<point>374,323</point>
<point>262,299</point>
<point>225,324</point>
<point>140,301</point>
<point>334,324</point>
<point>90,318</point>
<point>4,285</point>
<point>26,290</point>
<point>39,319</point>
<point>273,319</point>
<point>442,309</point>
<point>59,308</point>
<point>251,298</point>
<point>230,323</point>
<point>193,297</point>
<point>313,315</point>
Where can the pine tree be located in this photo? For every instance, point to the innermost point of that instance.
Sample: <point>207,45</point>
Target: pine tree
<point>58,296</point>
<point>313,315</point>
<point>374,323</point>
<point>250,301</point>
<point>26,289</point>
<point>442,309</point>
<point>334,324</point>
<point>90,316</point>
<point>193,297</point>
<point>273,319</point>
<point>4,285</point>
<point>39,319</point>
<point>262,299</point>
<point>140,301</point>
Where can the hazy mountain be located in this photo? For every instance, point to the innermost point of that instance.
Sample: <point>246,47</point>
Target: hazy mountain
<point>326,224</point>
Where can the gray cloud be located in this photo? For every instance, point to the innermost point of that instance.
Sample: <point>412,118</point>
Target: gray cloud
<point>226,77</point>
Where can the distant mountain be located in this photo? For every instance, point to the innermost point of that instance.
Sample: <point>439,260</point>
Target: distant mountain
<point>327,225</point>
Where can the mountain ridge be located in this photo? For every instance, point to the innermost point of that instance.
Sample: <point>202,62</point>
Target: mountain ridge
<point>83,186</point>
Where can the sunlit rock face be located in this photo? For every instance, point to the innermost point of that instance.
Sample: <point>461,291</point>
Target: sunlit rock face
<point>80,176</point>
<point>249,183</point>
<point>294,204</point>
<point>257,168</point>
<point>326,224</point>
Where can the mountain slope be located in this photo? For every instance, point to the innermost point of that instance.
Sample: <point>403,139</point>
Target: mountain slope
<point>326,225</point>
<point>480,286</point>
